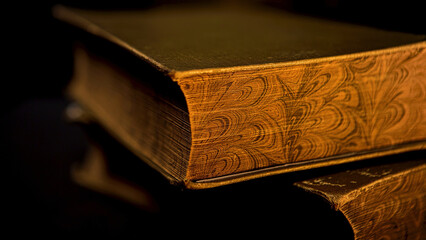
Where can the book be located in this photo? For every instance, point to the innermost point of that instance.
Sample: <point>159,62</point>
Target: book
<point>385,201</point>
<point>210,96</point>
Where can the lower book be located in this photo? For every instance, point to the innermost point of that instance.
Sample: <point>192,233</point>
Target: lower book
<point>385,201</point>
<point>383,197</point>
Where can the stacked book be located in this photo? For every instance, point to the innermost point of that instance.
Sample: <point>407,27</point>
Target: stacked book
<point>213,96</point>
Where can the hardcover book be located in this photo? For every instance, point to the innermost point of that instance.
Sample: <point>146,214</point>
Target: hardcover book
<point>210,96</point>
<point>384,201</point>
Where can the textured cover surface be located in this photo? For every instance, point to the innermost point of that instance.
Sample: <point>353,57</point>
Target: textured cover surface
<point>182,38</point>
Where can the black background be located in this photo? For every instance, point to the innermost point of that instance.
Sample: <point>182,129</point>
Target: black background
<point>38,146</point>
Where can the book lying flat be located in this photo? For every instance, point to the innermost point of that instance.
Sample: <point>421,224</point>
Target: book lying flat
<point>384,201</point>
<point>210,95</point>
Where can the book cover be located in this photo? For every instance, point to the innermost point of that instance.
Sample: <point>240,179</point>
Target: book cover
<point>211,96</point>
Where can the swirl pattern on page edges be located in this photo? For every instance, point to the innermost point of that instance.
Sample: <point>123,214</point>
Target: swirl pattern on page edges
<point>393,210</point>
<point>251,119</point>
